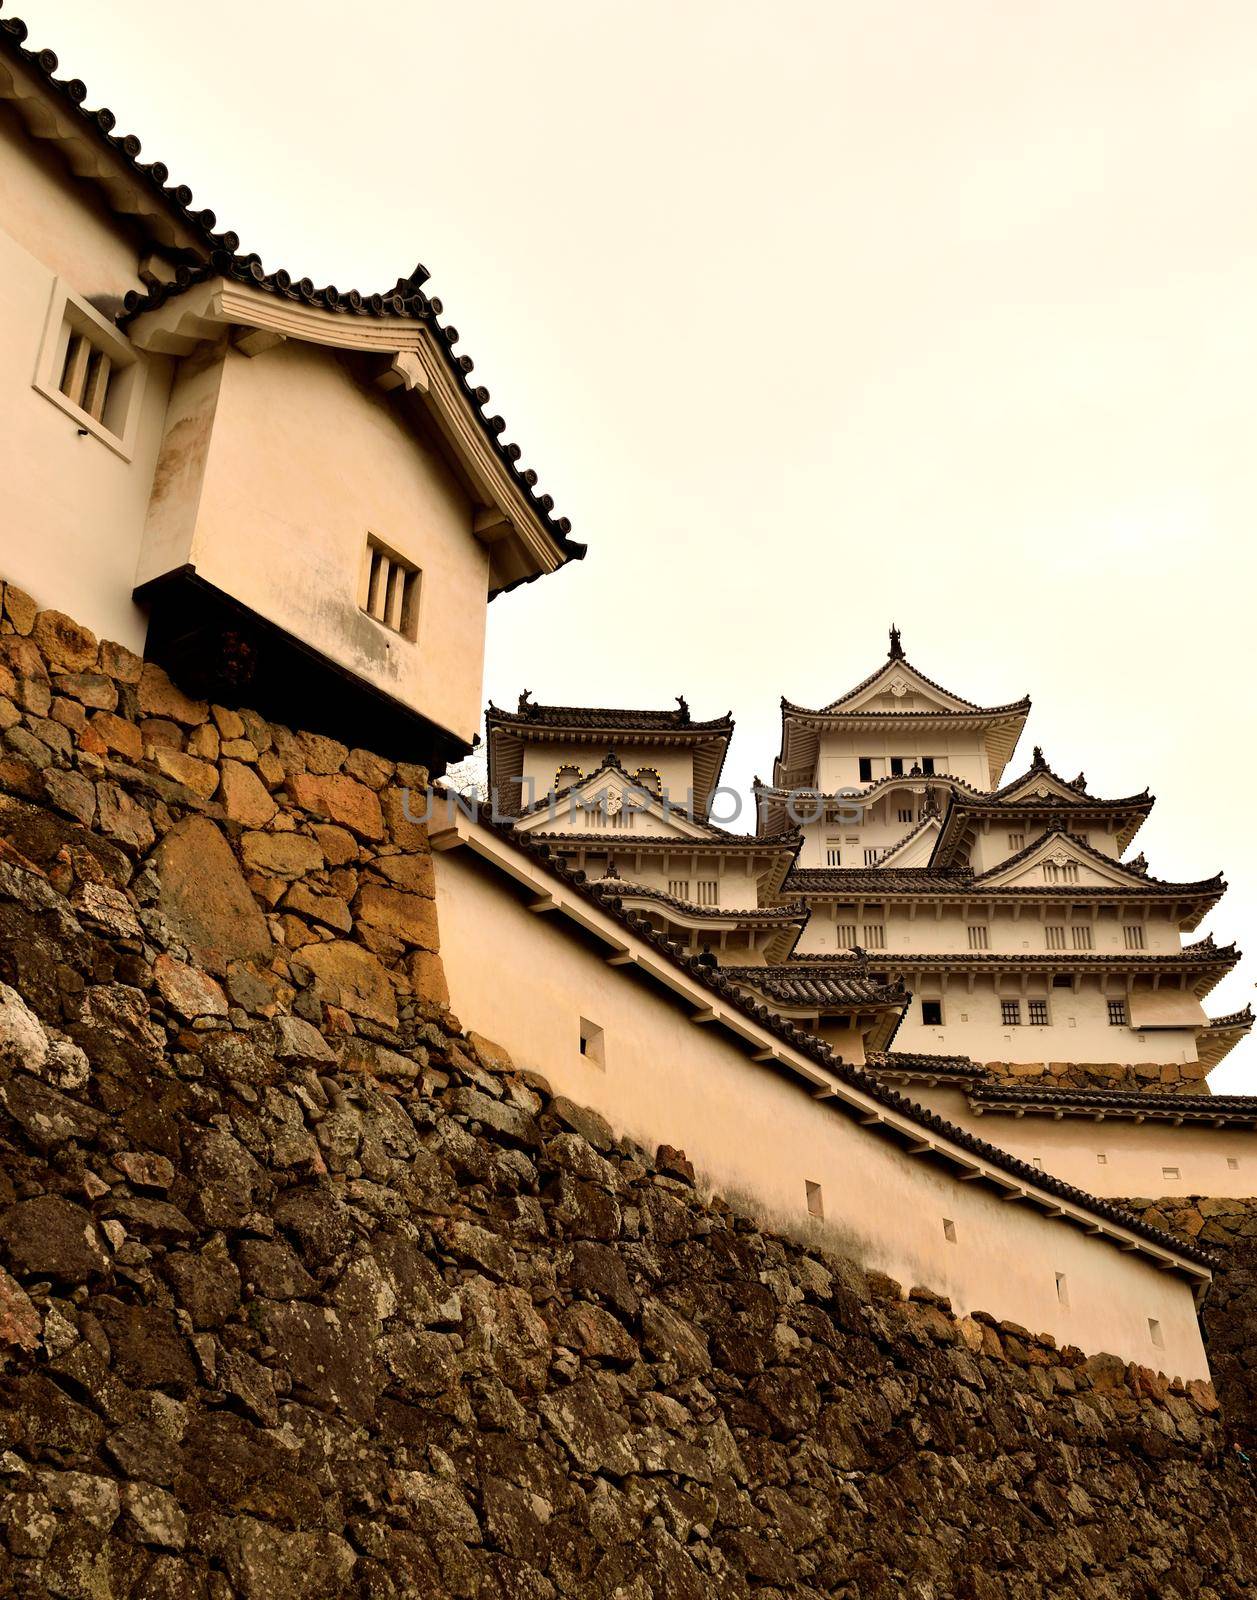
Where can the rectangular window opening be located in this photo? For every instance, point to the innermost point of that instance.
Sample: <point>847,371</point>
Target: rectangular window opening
<point>1133,934</point>
<point>391,590</point>
<point>979,937</point>
<point>1117,1013</point>
<point>1169,1172</point>
<point>927,766</point>
<point>1038,1013</point>
<point>679,888</point>
<point>833,853</point>
<point>1010,1013</point>
<point>707,891</point>
<point>593,1043</point>
<point>815,1200</point>
<point>874,935</point>
<point>1016,841</point>
<point>1054,937</point>
<point>89,369</point>
<point>1233,1163</point>
<point>932,1013</point>
<point>866,769</point>
<point>1082,938</point>
<point>904,814</point>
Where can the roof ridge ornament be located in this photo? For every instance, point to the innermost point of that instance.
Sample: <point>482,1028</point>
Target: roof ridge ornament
<point>526,702</point>
<point>683,709</point>
<point>896,644</point>
<point>1038,762</point>
<point>1139,864</point>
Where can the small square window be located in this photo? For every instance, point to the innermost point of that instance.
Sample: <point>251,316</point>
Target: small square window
<point>390,589</point>
<point>815,1200</point>
<point>593,1044</point>
<point>91,371</point>
<point>1169,1172</point>
<point>932,1013</point>
<point>949,1230</point>
<point>1155,1334</point>
<point>1233,1163</point>
<point>1010,1013</point>
<point>1101,1159</point>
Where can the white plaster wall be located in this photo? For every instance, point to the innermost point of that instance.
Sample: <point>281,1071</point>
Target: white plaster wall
<point>1013,927</point>
<point>1079,1029</point>
<point>1140,1159</point>
<point>956,754</point>
<point>526,982</point>
<point>73,509</point>
<point>274,471</point>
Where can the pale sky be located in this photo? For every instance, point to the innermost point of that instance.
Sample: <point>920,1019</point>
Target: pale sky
<point>810,317</point>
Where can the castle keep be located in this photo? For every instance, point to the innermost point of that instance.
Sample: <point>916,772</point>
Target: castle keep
<point>402,1196</point>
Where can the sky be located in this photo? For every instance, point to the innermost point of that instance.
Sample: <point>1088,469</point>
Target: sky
<point>811,318</point>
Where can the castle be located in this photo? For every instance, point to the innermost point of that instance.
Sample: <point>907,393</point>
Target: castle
<point>924,1015</point>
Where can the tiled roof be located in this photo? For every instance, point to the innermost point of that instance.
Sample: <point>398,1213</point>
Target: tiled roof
<point>719,982</point>
<point>1233,1019</point>
<point>1039,765</point>
<point>896,654</point>
<point>1119,1102</point>
<point>404,300</point>
<point>71,95</point>
<point>793,987</point>
<point>889,880</point>
<point>963,880</point>
<point>1192,957</point>
<point>748,914</point>
<point>531,715</point>
<point>1158,885</point>
<point>920,1064</point>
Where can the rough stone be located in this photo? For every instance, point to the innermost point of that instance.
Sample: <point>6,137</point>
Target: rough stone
<point>340,799</point>
<point>204,897</point>
<point>244,796</point>
<point>350,977</point>
<point>410,917</point>
<point>188,990</point>
<point>67,646</point>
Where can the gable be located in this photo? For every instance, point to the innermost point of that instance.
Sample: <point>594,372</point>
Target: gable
<point>1057,861</point>
<point>1036,786</point>
<point>898,689</point>
<point>609,802</point>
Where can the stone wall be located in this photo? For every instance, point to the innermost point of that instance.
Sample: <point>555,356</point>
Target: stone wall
<point>304,1293</point>
<point>282,868</point>
<point>1227,1228</point>
<point>1187,1077</point>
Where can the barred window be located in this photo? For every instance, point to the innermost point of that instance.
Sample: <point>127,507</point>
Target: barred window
<point>1054,936</point>
<point>904,813</point>
<point>1038,1013</point>
<point>1082,938</point>
<point>1016,841</point>
<point>707,891</point>
<point>679,888</point>
<point>1010,1013</point>
<point>978,936</point>
<point>1133,934</point>
<point>871,856</point>
<point>874,935</point>
<point>846,935</point>
<point>833,853</point>
<point>391,589</point>
<point>1117,1013</point>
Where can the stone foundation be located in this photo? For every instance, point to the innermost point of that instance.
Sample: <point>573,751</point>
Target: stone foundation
<point>1187,1077</point>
